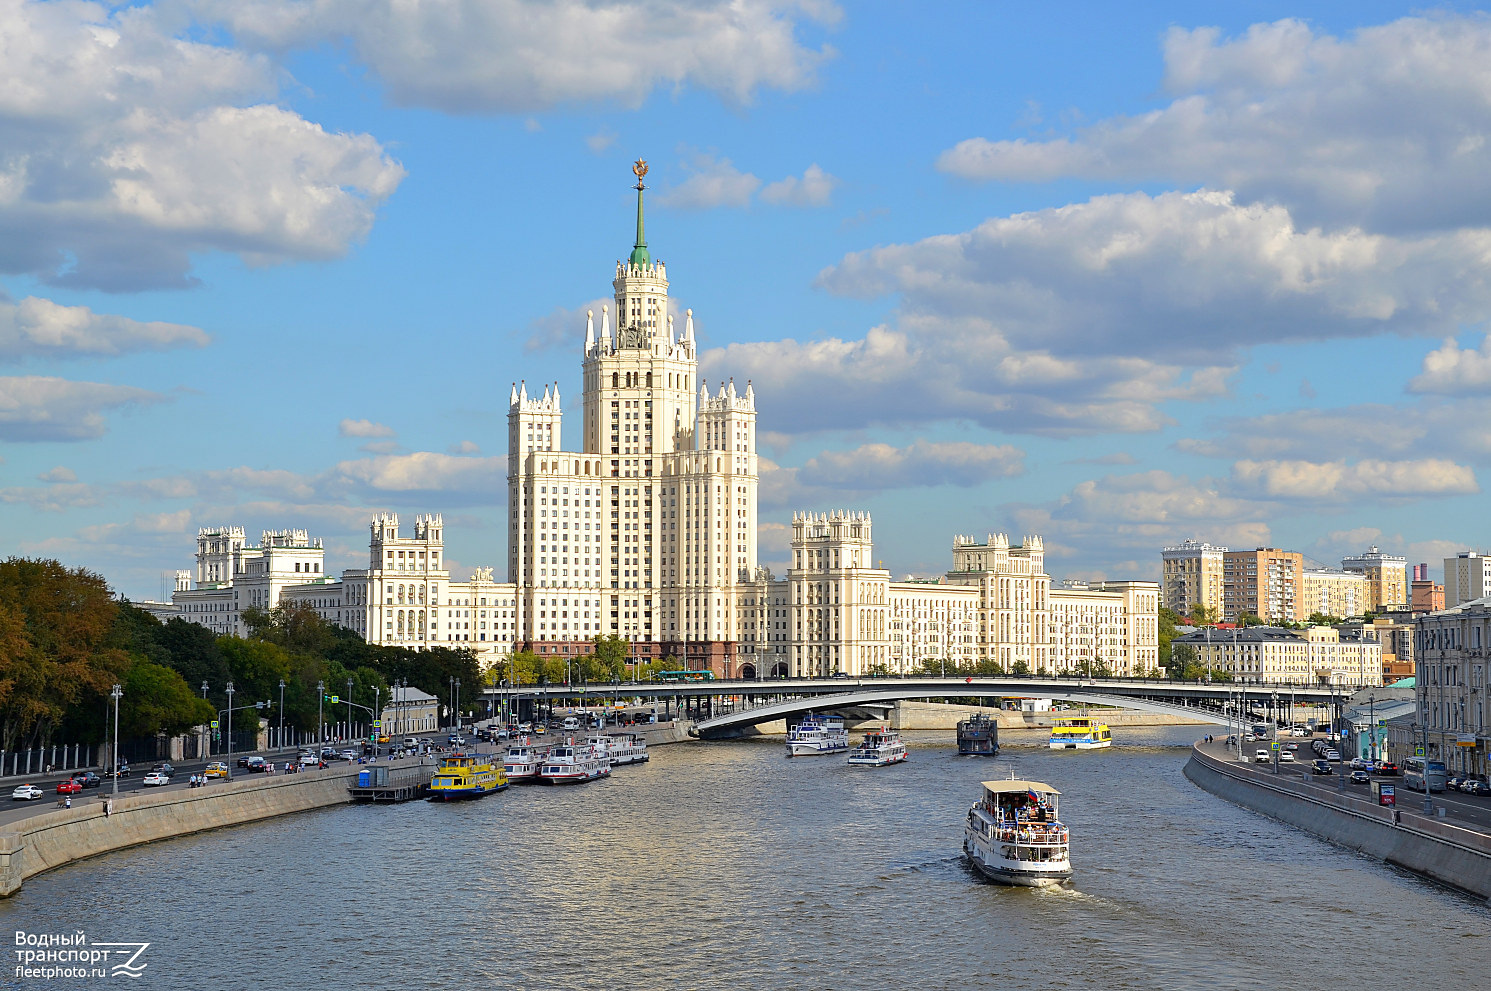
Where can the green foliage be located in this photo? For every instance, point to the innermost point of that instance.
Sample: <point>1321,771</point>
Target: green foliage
<point>1249,619</point>
<point>158,700</point>
<point>1166,632</point>
<point>1203,615</point>
<point>1321,619</point>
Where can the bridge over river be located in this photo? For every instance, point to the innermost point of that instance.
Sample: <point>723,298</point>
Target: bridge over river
<point>753,702</point>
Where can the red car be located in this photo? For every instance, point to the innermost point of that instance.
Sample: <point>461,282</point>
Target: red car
<point>1388,767</point>
<point>69,787</point>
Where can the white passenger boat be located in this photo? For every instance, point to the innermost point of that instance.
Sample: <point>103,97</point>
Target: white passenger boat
<point>627,748</point>
<point>1080,733</point>
<point>572,765</point>
<point>522,763</point>
<point>1014,835</point>
<point>879,748</point>
<point>817,735</point>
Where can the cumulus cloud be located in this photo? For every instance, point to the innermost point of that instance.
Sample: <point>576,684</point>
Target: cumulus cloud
<point>711,182</point>
<point>37,327</point>
<point>563,327</point>
<point>127,148</point>
<point>507,56</point>
<point>814,188</point>
<point>1386,127</point>
<point>600,140</point>
<point>871,467</point>
<point>171,523</point>
<point>1452,370</point>
<point>58,474</point>
<point>1334,481</point>
<point>42,408</point>
<point>427,471</point>
<point>364,428</point>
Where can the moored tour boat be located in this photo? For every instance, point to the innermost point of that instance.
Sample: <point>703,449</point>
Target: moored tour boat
<point>572,765</point>
<point>522,763</point>
<point>467,776</point>
<point>1080,733</point>
<point>627,748</point>
<point>879,748</point>
<point>978,736</point>
<point>817,735</point>
<point>1014,835</point>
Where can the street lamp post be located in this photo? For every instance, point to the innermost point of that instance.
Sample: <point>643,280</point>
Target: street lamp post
<point>320,725</point>
<point>458,706</point>
<point>209,738</point>
<point>1372,726</point>
<point>115,693</point>
<point>450,695</point>
<point>282,713</point>
<point>349,708</point>
<point>230,731</point>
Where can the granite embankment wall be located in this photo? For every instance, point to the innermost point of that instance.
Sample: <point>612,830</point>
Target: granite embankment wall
<point>51,839</point>
<point>1446,853</point>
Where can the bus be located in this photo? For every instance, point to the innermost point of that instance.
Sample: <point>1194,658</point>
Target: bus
<point>685,676</point>
<point>1415,769</point>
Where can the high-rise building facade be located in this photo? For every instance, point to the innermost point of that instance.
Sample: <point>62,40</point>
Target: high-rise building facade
<point>1337,594</point>
<point>1192,576</point>
<point>1387,578</point>
<point>1266,582</point>
<point>1467,576</point>
<point>645,528</point>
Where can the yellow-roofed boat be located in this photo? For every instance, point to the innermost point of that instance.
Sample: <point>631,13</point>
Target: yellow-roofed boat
<point>467,776</point>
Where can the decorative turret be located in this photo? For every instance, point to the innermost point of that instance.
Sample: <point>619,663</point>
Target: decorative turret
<point>640,258</point>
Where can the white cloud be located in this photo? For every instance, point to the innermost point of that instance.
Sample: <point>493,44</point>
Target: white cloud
<point>428,471</point>
<point>42,408</point>
<point>564,327</point>
<point>815,188</point>
<point>125,149</point>
<point>171,523</point>
<point>1451,370</point>
<point>1386,127</point>
<point>58,474</point>
<point>1335,481</point>
<point>464,447</point>
<point>55,497</point>
<point>364,428</point>
<point>505,56</point>
<point>600,140</point>
<point>37,327</point>
<point>711,182</point>
<point>872,467</point>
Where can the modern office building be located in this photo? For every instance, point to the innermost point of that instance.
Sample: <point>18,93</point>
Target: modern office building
<point>1467,576</point>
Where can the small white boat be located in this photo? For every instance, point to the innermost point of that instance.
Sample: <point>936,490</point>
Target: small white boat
<point>1015,836</point>
<point>522,763</point>
<point>627,748</point>
<point>879,748</point>
<point>572,765</point>
<point>817,735</point>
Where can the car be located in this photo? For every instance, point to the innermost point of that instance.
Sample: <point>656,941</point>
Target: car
<point>410,743</point>
<point>348,754</point>
<point>382,737</point>
<point>1320,767</point>
<point>218,769</point>
<point>87,779</point>
<point>1360,777</point>
<point>1332,755</point>
<point>121,772</point>
<point>68,787</point>
<point>1360,764</point>
<point>1453,782</point>
<point>1291,745</point>
<point>1388,767</point>
<point>1297,731</point>
<point>308,760</point>
<point>571,723</point>
<point>244,760</point>
<point>164,768</point>
<point>841,674</point>
<point>252,763</point>
<point>1470,781</point>
<point>26,793</point>
<point>1477,787</point>
<point>540,728</point>
<point>156,779</point>
<point>525,727</point>
<point>1262,757</point>
<point>1286,757</point>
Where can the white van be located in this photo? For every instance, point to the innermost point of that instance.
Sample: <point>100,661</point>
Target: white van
<point>571,723</point>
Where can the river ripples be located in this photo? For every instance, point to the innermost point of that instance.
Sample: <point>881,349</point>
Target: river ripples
<point>725,865</point>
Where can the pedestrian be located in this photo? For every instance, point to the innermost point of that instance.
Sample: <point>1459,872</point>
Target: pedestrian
<point>108,807</point>
<point>68,801</point>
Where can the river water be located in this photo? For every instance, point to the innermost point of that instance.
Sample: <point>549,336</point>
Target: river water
<point>725,865</point>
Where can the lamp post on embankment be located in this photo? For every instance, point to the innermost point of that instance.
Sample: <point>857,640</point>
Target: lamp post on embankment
<point>115,693</point>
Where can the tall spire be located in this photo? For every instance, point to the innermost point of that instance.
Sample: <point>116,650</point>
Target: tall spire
<point>639,257</point>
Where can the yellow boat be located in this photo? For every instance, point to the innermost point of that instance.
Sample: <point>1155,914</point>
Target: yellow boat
<point>467,776</point>
<point>1080,733</point>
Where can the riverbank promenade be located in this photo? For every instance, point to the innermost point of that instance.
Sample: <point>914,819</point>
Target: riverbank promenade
<point>1450,844</point>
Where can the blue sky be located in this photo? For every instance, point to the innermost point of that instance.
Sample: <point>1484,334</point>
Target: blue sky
<point>1114,276</point>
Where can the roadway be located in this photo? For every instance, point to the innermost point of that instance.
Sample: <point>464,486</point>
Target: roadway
<point>1469,811</point>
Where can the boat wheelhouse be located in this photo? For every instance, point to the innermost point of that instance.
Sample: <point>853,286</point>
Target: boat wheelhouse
<point>1080,733</point>
<point>573,765</point>
<point>817,734</point>
<point>1014,834</point>
<point>467,776</point>
<point>522,762</point>
<point>978,736</point>
<point>879,748</point>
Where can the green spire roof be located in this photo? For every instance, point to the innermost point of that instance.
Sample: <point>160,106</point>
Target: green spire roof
<point>640,256</point>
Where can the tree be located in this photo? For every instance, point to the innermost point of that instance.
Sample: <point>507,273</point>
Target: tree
<point>1165,629</point>
<point>158,700</point>
<point>1249,619</point>
<point>1321,619</point>
<point>1202,614</point>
